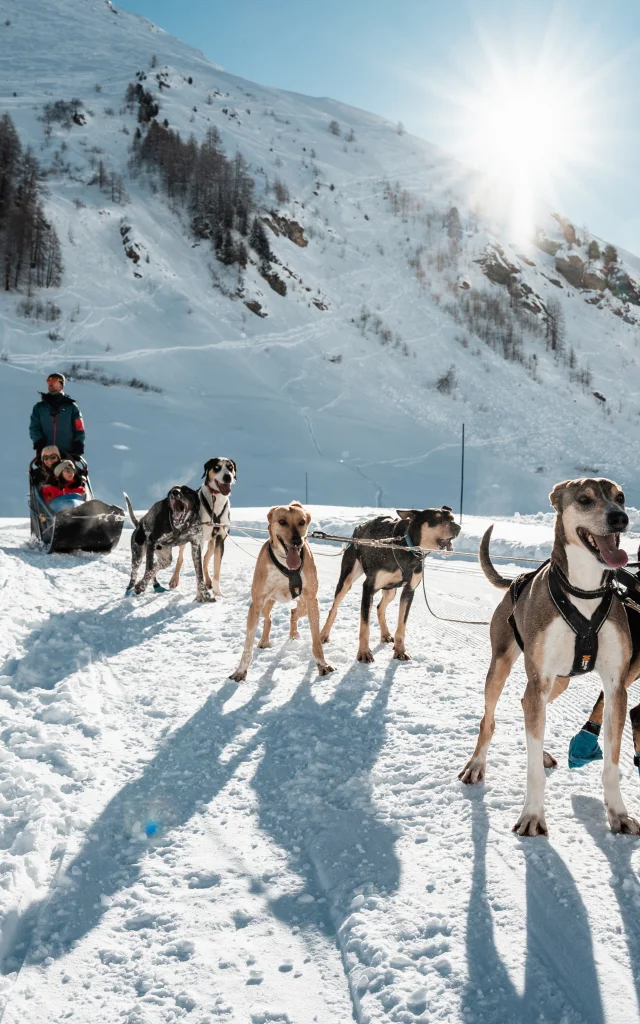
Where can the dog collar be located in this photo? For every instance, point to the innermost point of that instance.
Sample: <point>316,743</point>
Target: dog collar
<point>576,591</point>
<point>408,541</point>
<point>293,575</point>
<point>209,488</point>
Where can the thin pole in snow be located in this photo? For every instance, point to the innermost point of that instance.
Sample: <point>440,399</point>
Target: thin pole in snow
<point>306,488</point>
<point>462,475</point>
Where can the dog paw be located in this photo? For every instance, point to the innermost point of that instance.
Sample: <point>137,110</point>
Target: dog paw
<point>531,823</point>
<point>623,823</point>
<point>365,656</point>
<point>202,597</point>
<point>139,588</point>
<point>215,589</point>
<point>324,669</point>
<point>239,676</point>
<point>294,636</point>
<point>263,644</point>
<point>173,583</point>
<point>324,638</point>
<point>386,638</point>
<point>472,772</point>
<point>549,760</point>
<point>401,656</point>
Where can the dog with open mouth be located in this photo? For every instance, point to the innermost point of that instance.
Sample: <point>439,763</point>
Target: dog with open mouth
<point>567,620</point>
<point>285,571</point>
<point>173,521</point>
<point>215,515</point>
<point>412,534</point>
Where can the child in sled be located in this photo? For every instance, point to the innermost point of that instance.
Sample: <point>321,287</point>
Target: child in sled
<point>68,491</point>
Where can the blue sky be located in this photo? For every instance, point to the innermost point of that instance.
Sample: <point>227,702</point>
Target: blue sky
<point>425,61</point>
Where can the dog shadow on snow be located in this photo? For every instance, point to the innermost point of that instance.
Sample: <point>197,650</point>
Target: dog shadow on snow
<point>70,640</point>
<point>313,801</point>
<point>560,979</point>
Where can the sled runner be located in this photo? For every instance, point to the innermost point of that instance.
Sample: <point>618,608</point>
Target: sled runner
<point>86,524</point>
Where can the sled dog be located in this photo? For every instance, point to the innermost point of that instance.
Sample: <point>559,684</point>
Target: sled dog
<point>215,515</point>
<point>285,571</point>
<point>388,568</point>
<point>568,621</point>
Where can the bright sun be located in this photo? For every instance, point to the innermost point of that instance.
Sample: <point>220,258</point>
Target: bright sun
<point>528,138</point>
<point>529,123</point>
<point>528,135</point>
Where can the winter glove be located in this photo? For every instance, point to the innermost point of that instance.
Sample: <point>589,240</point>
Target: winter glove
<point>77,448</point>
<point>584,748</point>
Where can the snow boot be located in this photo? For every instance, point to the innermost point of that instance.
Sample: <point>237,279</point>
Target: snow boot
<point>584,747</point>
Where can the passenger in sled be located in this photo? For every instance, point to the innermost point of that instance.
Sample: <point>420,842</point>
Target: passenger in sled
<point>69,489</point>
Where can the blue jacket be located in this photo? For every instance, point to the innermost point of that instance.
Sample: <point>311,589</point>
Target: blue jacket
<point>56,419</point>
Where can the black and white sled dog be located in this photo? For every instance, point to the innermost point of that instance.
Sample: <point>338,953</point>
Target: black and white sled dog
<point>215,515</point>
<point>173,521</point>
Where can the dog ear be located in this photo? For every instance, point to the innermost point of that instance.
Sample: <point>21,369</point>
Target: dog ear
<point>271,511</point>
<point>207,466</point>
<point>235,468</point>
<point>406,513</point>
<point>295,504</point>
<point>556,495</point>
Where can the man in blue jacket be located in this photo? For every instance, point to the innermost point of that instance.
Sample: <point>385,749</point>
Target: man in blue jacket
<point>57,420</point>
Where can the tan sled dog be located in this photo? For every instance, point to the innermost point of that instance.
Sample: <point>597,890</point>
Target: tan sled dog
<point>285,571</point>
<point>590,518</point>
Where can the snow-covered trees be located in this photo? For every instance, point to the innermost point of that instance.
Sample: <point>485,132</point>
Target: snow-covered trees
<point>593,252</point>
<point>29,247</point>
<point>216,192</point>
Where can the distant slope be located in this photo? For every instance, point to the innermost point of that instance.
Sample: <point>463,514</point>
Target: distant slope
<point>368,404</point>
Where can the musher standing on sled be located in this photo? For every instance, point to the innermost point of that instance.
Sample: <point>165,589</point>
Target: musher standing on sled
<point>57,420</point>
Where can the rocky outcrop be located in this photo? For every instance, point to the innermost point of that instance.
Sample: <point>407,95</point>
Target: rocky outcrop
<point>626,288</point>
<point>572,268</point>
<point>594,281</point>
<point>289,228</point>
<point>274,282</point>
<point>568,230</point>
<point>548,245</point>
<point>255,307</point>
<point>496,266</point>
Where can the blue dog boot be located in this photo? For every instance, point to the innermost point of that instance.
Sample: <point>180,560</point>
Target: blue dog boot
<point>129,592</point>
<point>636,761</point>
<point>159,589</point>
<point>584,747</point>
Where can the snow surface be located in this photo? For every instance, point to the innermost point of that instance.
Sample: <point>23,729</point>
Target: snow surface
<point>176,847</point>
<point>302,391</point>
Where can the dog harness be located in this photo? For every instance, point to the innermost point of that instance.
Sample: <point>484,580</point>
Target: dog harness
<point>215,519</point>
<point>411,566</point>
<point>293,575</point>
<point>586,630</point>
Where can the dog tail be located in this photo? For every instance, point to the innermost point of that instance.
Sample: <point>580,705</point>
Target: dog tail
<point>488,567</point>
<point>132,515</point>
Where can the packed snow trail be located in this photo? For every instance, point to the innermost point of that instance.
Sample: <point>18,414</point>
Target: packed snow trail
<point>291,849</point>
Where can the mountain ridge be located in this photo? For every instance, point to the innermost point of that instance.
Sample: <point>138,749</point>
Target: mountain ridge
<point>364,392</point>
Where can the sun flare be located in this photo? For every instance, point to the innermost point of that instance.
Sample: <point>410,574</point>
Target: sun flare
<point>528,135</point>
<point>531,115</point>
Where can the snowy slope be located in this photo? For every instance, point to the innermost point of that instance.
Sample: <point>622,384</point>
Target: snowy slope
<point>314,856</point>
<point>303,390</point>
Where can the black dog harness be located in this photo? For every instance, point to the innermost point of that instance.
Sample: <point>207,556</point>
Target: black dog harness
<point>293,575</point>
<point>215,519</point>
<point>411,565</point>
<point>586,630</point>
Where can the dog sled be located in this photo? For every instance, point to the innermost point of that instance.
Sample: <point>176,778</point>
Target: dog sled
<point>86,524</point>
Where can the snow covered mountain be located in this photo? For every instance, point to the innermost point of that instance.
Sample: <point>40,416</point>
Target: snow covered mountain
<point>408,310</point>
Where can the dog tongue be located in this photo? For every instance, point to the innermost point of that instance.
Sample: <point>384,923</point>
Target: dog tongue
<point>293,558</point>
<point>613,556</point>
<point>224,488</point>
